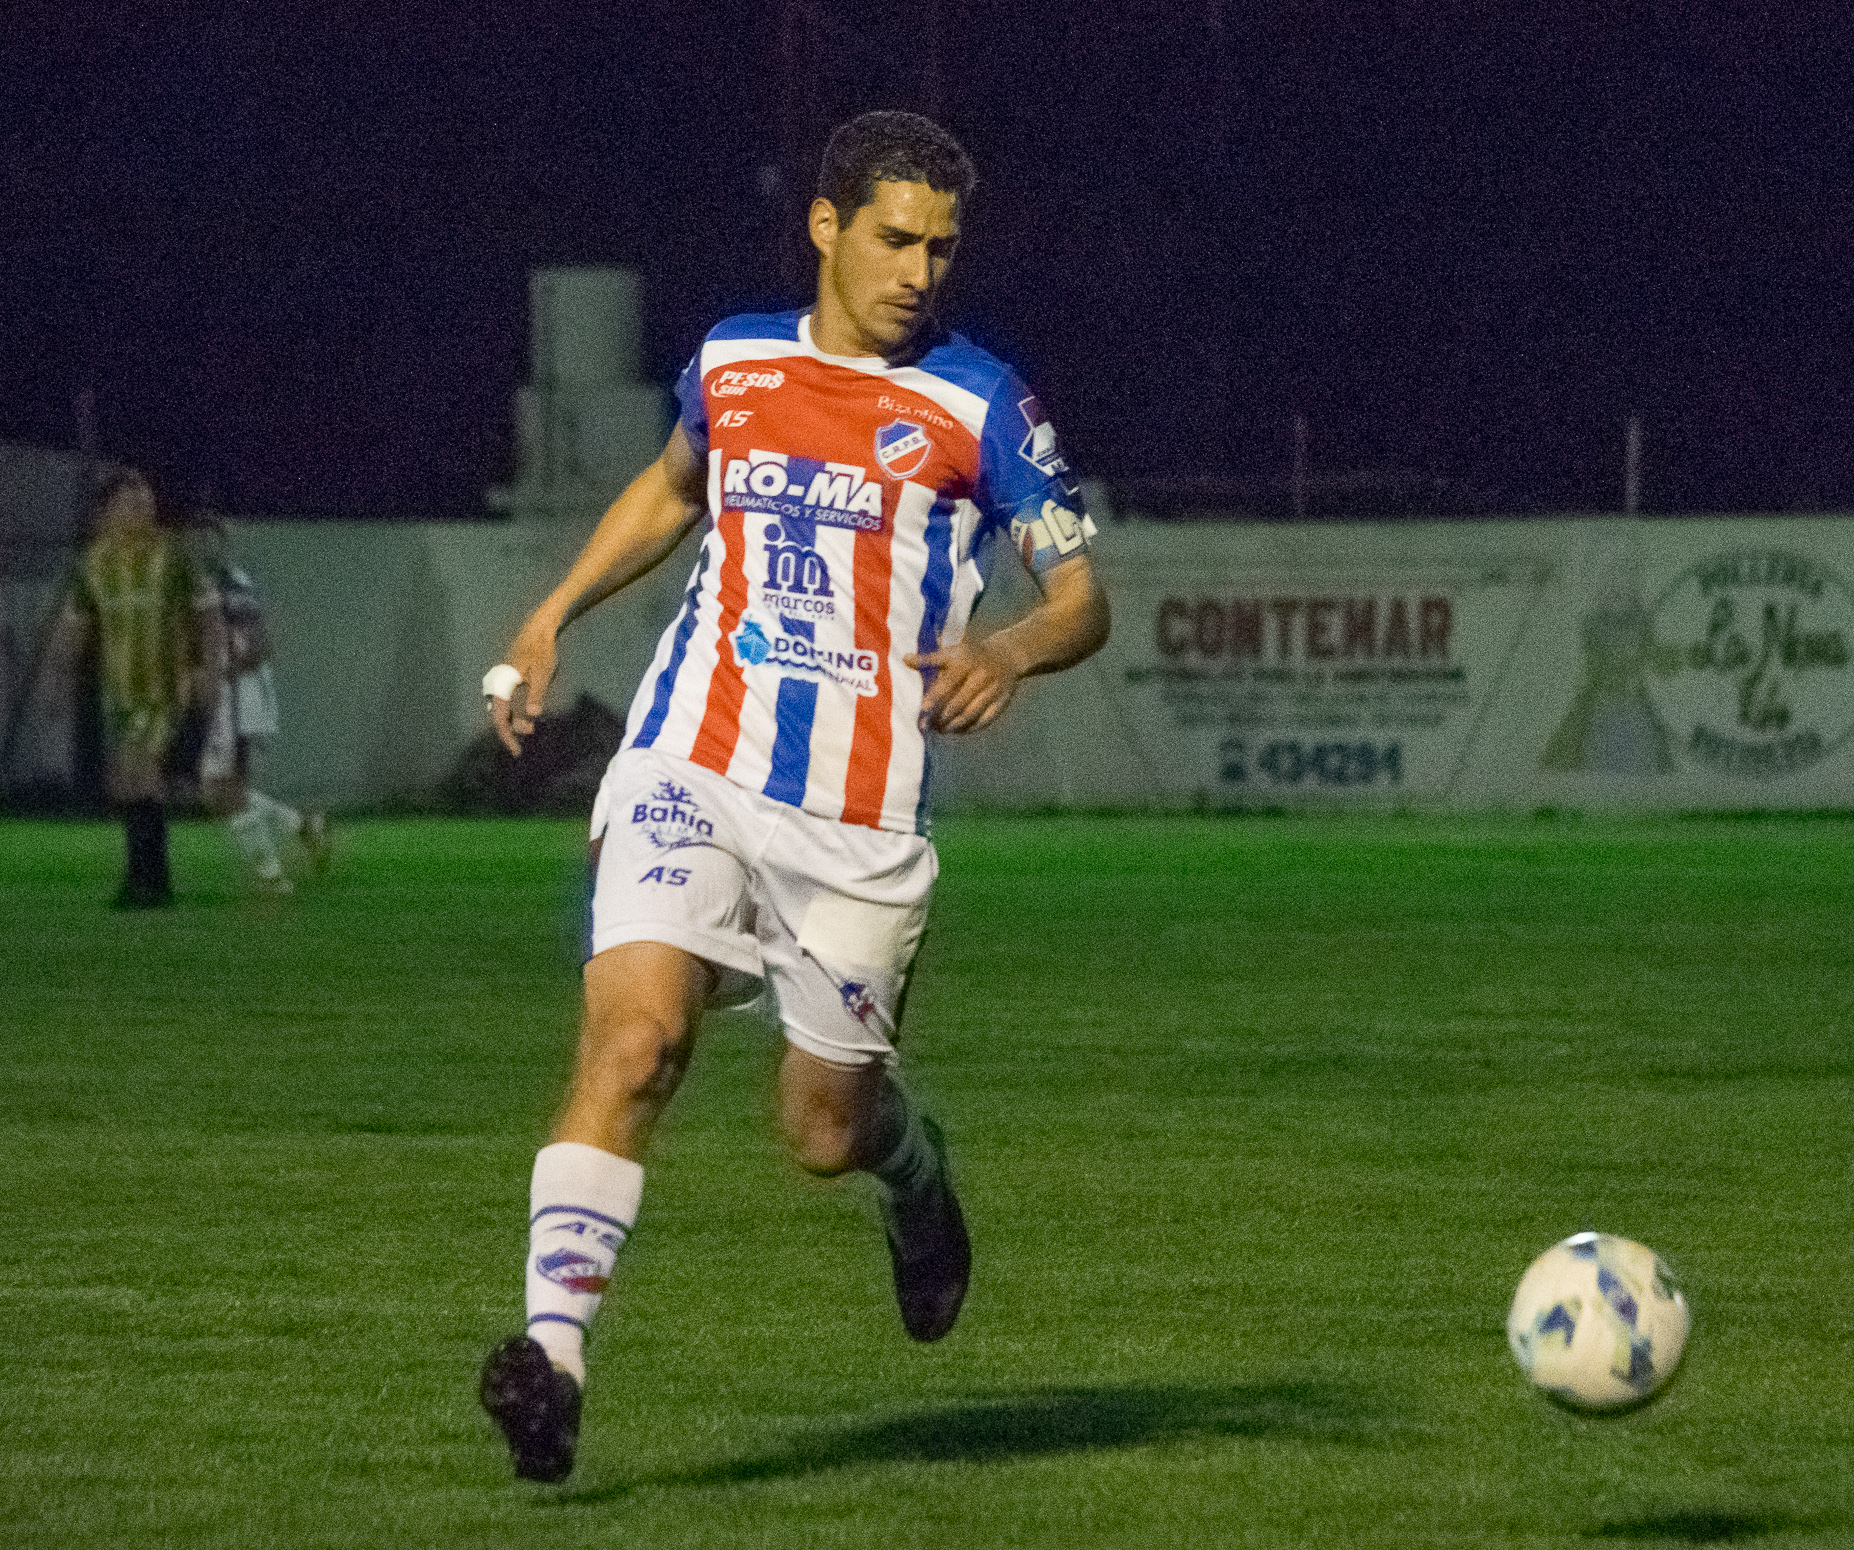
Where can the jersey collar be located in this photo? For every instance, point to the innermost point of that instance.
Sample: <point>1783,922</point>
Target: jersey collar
<point>918,347</point>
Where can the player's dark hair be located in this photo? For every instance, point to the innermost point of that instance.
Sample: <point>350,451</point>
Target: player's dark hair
<point>889,147</point>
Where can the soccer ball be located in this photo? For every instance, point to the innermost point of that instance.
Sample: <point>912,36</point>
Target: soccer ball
<point>1598,1324</point>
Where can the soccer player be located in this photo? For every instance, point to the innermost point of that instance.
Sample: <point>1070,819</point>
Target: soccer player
<point>131,599</point>
<point>243,719</point>
<point>766,818</point>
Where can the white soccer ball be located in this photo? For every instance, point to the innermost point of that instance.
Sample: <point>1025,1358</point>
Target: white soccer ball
<point>1598,1324</point>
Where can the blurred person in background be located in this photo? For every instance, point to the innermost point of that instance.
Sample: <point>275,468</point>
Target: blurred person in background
<point>241,716</point>
<point>131,603</point>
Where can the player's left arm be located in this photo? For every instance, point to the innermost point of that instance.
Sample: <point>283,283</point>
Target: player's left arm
<point>975,681</point>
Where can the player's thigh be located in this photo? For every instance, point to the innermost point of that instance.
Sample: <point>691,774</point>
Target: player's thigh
<point>842,921</point>
<point>666,869</point>
<point>644,1004</point>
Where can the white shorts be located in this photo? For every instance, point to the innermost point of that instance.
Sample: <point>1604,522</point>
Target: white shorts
<point>828,915</point>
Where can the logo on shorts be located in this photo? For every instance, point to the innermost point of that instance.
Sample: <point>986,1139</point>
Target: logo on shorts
<point>671,819</point>
<point>901,447</point>
<point>575,1271</point>
<point>857,1000</point>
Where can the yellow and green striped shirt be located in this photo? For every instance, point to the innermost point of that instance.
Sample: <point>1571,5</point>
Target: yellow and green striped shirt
<point>137,588</point>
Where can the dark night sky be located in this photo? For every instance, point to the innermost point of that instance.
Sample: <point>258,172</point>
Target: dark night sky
<point>290,249</point>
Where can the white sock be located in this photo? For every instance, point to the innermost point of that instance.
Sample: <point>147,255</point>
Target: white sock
<point>253,838</point>
<point>581,1207</point>
<point>283,821</point>
<point>913,1161</point>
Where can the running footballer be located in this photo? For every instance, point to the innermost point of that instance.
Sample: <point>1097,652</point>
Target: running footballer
<point>765,822</point>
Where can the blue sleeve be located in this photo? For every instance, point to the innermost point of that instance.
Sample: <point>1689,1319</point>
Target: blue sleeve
<point>692,407</point>
<point>1025,486</point>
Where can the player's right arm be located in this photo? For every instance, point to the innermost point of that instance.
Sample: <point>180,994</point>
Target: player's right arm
<point>638,530</point>
<point>76,625</point>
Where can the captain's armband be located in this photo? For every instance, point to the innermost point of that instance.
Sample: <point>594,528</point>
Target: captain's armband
<point>1046,538</point>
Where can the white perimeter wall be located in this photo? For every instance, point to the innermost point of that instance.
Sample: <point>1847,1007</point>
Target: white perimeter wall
<point>1594,663</point>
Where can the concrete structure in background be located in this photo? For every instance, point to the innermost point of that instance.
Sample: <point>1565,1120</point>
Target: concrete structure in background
<point>383,632</point>
<point>1595,663</point>
<point>585,423</point>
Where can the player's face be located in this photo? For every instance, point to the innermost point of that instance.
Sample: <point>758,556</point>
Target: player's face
<point>881,271</point>
<point>131,505</point>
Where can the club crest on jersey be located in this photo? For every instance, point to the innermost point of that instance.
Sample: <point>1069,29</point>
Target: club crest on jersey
<point>731,384</point>
<point>802,489</point>
<point>575,1271</point>
<point>796,655</point>
<point>1039,447</point>
<point>901,447</point>
<point>671,819</point>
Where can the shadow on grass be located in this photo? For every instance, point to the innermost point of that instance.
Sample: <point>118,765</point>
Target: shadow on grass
<point>1703,1525</point>
<point>1002,1427</point>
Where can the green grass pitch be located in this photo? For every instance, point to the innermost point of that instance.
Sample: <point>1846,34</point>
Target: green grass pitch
<point>1257,1123</point>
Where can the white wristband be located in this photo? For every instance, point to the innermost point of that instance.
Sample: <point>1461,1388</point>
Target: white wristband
<point>500,681</point>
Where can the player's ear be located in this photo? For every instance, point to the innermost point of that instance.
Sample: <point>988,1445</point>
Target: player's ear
<point>824,226</point>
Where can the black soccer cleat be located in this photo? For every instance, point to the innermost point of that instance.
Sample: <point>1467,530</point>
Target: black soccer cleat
<point>931,1253</point>
<point>536,1405</point>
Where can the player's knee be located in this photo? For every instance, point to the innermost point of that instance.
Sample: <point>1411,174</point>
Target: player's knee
<point>633,1054</point>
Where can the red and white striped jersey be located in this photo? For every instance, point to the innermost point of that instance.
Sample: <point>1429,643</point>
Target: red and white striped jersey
<point>850,508</point>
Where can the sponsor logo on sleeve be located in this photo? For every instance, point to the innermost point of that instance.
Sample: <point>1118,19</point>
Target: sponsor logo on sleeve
<point>901,447</point>
<point>1053,534</point>
<point>1039,447</point>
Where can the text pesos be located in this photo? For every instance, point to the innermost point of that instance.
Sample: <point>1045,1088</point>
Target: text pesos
<point>731,384</point>
<point>835,494</point>
<point>1305,629</point>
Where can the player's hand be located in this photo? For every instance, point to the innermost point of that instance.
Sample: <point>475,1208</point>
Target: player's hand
<point>971,686</point>
<point>533,657</point>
